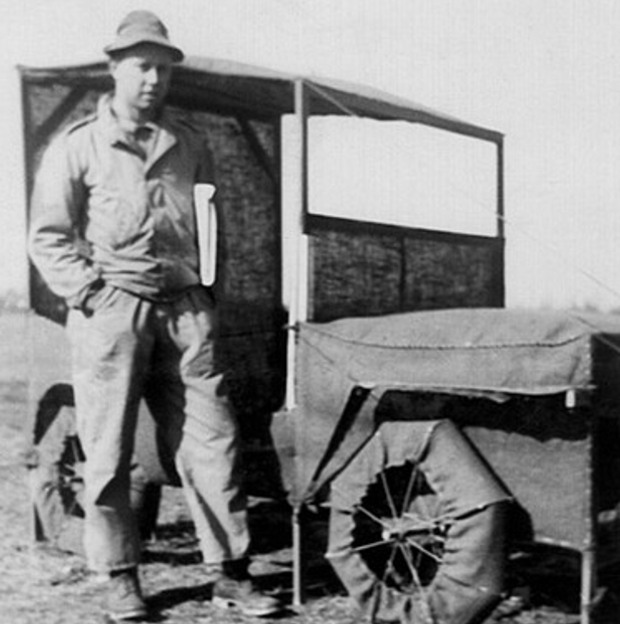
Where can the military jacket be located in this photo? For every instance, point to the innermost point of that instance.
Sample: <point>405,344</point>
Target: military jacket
<point>101,210</point>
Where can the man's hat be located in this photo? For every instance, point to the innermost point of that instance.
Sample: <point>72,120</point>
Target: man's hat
<point>142,27</point>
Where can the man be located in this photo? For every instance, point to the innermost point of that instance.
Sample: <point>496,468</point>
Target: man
<point>113,232</point>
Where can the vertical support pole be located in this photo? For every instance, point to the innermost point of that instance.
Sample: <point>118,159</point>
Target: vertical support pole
<point>589,550</point>
<point>500,189</point>
<point>588,562</point>
<point>500,278</point>
<point>298,310</point>
<point>299,300</point>
<point>589,553</point>
<point>28,154</point>
<point>298,593</point>
<point>35,528</point>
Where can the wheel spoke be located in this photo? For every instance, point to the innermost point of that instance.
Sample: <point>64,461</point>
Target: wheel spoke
<point>424,525</point>
<point>358,549</point>
<point>372,516</point>
<point>389,566</point>
<point>416,578</point>
<point>423,550</point>
<point>413,477</point>
<point>412,568</point>
<point>386,489</point>
<point>436,522</point>
<point>388,494</point>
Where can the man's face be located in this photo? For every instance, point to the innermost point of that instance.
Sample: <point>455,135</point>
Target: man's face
<point>141,76</point>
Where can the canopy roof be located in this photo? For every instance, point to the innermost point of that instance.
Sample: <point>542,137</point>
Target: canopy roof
<point>202,83</point>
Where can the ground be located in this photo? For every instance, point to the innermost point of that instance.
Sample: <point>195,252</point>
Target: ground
<point>39,585</point>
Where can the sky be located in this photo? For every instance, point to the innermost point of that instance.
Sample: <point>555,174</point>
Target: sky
<point>544,73</point>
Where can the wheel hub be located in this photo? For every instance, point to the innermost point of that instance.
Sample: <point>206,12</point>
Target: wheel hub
<point>406,526</point>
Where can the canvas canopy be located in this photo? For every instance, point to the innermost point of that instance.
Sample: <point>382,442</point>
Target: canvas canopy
<point>203,83</point>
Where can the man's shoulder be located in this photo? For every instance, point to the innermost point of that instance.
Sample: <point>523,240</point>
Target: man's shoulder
<point>74,133</point>
<point>71,138</point>
<point>97,118</point>
<point>81,124</point>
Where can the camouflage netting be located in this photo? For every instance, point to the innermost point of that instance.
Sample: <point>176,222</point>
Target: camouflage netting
<point>378,273</point>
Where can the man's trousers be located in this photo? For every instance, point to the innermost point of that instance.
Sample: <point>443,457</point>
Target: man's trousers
<point>125,349</point>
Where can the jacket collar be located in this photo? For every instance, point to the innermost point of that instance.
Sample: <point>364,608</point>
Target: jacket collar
<point>117,135</point>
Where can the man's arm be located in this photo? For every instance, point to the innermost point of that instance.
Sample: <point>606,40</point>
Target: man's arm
<point>57,202</point>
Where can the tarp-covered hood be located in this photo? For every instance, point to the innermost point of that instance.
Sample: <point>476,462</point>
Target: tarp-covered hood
<point>345,368</point>
<point>478,350</point>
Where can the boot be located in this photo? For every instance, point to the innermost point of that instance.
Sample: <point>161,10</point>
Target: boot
<point>233,588</point>
<point>125,602</point>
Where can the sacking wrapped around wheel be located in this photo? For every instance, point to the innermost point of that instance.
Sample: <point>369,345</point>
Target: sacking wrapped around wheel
<point>417,527</point>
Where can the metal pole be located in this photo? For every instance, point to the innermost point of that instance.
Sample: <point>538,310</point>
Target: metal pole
<point>298,594</point>
<point>298,310</point>
<point>588,562</point>
<point>500,189</point>
<point>501,277</point>
<point>589,549</point>
<point>299,302</point>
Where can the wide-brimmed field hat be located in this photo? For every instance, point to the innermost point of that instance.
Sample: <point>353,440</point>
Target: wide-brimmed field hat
<point>142,27</point>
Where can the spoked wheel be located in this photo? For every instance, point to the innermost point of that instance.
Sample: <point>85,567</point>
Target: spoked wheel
<point>56,478</point>
<point>416,534</point>
<point>57,484</point>
<point>70,481</point>
<point>399,531</point>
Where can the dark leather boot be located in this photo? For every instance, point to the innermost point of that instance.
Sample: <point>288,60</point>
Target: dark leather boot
<point>125,602</point>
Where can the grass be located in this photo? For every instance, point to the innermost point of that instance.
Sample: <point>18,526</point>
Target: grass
<point>13,369</point>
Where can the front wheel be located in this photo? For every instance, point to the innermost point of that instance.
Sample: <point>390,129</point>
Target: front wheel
<point>416,531</point>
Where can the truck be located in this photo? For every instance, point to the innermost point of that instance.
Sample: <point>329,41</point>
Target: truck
<point>359,302</point>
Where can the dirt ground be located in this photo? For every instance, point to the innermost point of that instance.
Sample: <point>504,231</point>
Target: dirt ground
<point>39,585</point>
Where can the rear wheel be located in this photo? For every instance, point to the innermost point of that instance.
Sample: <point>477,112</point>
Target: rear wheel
<point>56,478</point>
<point>57,484</point>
